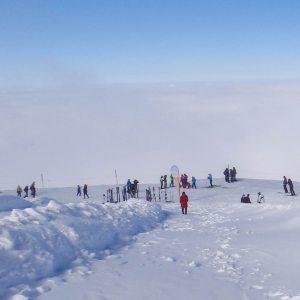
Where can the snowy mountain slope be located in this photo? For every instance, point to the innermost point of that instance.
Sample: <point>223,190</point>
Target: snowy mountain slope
<point>222,249</point>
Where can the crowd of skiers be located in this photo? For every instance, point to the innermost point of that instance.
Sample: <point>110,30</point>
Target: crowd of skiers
<point>26,189</point>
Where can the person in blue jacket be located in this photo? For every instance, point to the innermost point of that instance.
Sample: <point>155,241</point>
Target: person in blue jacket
<point>128,185</point>
<point>193,182</point>
<point>209,177</point>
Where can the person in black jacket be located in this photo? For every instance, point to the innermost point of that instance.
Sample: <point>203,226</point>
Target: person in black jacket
<point>226,173</point>
<point>247,199</point>
<point>243,199</point>
<point>85,193</point>
<point>26,191</point>
<point>284,184</point>
<point>233,174</point>
<point>33,189</point>
<point>290,183</point>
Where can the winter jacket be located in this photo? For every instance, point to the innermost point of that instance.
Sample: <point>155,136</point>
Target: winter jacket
<point>184,201</point>
<point>260,199</point>
<point>290,183</point>
<point>193,180</point>
<point>209,177</point>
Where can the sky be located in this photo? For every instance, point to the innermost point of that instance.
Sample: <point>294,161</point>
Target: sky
<point>90,87</point>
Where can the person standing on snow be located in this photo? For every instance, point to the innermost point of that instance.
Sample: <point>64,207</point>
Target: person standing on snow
<point>19,191</point>
<point>209,177</point>
<point>171,181</point>
<point>193,182</point>
<point>161,179</point>
<point>233,174</point>
<point>85,192</point>
<point>226,173</point>
<point>165,181</point>
<point>26,191</point>
<point>243,199</point>
<point>78,190</point>
<point>184,202</point>
<point>284,184</point>
<point>290,183</point>
<point>260,198</point>
<point>33,189</point>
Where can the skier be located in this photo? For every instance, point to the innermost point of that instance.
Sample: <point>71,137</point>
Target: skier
<point>243,199</point>
<point>19,191</point>
<point>171,181</point>
<point>26,191</point>
<point>284,184</point>
<point>78,190</point>
<point>161,179</point>
<point>209,177</point>
<point>85,192</point>
<point>165,182</point>
<point>234,174</point>
<point>33,189</point>
<point>290,183</point>
<point>260,198</point>
<point>226,173</point>
<point>247,199</point>
<point>184,202</point>
<point>194,182</point>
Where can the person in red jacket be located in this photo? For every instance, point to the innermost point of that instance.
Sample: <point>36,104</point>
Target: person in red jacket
<point>184,202</point>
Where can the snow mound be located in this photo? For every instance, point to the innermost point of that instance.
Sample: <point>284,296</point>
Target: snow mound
<point>8,203</point>
<point>38,242</point>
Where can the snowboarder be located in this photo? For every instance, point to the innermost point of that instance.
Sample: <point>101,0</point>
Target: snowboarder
<point>247,199</point>
<point>226,173</point>
<point>26,191</point>
<point>85,192</point>
<point>184,202</point>
<point>194,182</point>
<point>290,183</point>
<point>78,190</point>
<point>260,198</point>
<point>33,189</point>
<point>284,184</point>
<point>19,191</point>
<point>171,181</point>
<point>209,177</point>
<point>161,179</point>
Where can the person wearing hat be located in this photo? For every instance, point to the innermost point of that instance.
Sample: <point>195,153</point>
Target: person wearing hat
<point>184,202</point>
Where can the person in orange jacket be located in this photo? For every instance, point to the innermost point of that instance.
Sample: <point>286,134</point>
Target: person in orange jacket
<point>184,202</point>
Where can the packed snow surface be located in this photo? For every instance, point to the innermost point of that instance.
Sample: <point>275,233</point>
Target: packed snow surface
<point>59,246</point>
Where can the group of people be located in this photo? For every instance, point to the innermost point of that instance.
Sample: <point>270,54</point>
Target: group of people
<point>132,187</point>
<point>85,191</point>
<point>246,199</point>
<point>26,189</point>
<point>230,173</point>
<point>164,181</point>
<point>290,184</point>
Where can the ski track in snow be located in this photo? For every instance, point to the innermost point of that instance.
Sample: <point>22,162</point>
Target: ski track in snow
<point>201,251</point>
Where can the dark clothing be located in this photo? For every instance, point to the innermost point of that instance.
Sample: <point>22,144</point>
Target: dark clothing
<point>33,190</point>
<point>247,200</point>
<point>226,173</point>
<point>211,183</point>
<point>290,183</point>
<point>26,191</point>
<point>184,210</point>
<point>284,185</point>
<point>135,182</point>
<point>78,191</point>
<point>85,193</point>
<point>19,193</point>
<point>231,175</point>
<point>233,178</point>
<point>194,185</point>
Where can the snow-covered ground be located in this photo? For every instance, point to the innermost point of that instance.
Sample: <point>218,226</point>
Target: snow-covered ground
<point>58,247</point>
